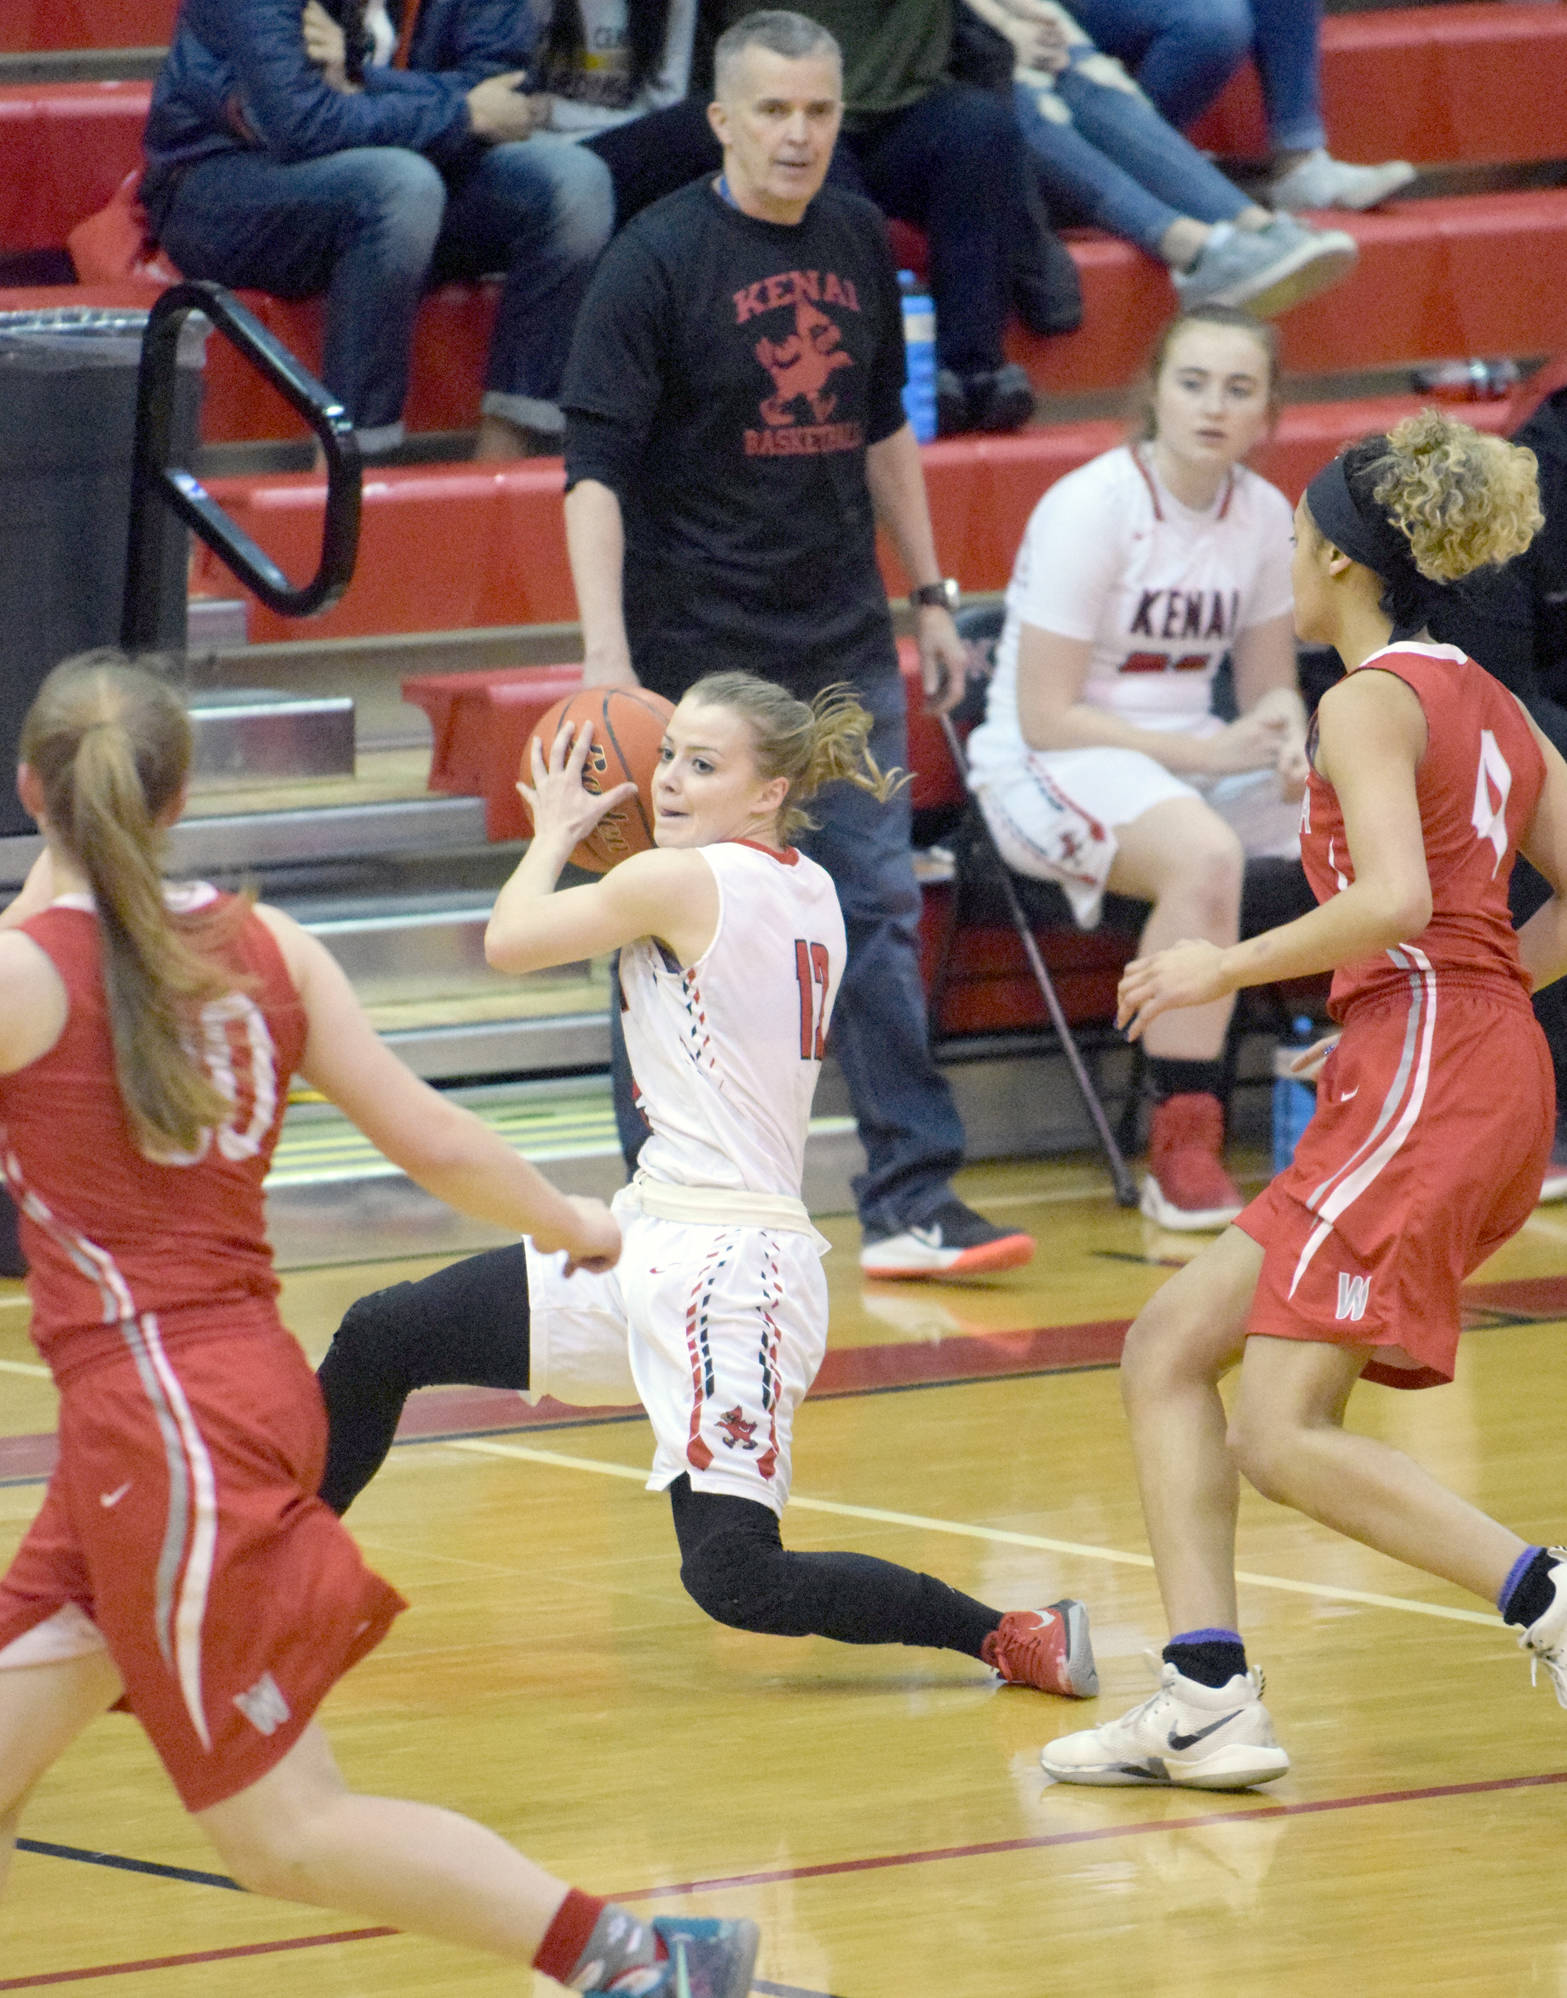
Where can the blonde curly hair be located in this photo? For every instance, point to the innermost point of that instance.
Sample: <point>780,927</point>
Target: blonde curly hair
<point>812,743</point>
<point>1460,498</point>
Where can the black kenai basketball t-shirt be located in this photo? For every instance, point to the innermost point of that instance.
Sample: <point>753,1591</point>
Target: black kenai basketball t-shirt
<point>726,377</point>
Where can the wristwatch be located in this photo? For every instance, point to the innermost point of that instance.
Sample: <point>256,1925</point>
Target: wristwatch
<point>944,595</point>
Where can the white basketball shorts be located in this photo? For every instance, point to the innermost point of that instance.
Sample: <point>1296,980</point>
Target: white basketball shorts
<point>1055,814</point>
<point>717,1331</point>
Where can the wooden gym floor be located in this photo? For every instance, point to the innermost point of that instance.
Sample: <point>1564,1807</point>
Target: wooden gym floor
<point>881,1812</point>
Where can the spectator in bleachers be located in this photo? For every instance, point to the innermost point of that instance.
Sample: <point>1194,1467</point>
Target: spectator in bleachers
<point>1105,157</point>
<point>1183,52</point>
<point>1100,764</point>
<point>617,74</point>
<point>288,151</point>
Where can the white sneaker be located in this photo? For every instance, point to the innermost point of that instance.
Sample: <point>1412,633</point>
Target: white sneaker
<point>1546,1637</point>
<point>1320,181</point>
<point>1197,1737</point>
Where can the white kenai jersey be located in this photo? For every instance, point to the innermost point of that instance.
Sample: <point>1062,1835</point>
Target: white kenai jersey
<point>726,1051</point>
<point>1109,554</point>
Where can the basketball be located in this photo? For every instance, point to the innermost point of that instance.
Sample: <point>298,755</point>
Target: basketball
<point>628,726</point>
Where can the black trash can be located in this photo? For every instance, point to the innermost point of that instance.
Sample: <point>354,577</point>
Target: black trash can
<point>67,422</point>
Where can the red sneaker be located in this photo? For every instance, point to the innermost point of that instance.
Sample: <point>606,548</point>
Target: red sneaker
<point>1048,1649</point>
<point>1186,1186</point>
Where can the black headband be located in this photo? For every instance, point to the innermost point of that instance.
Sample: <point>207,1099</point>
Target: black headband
<point>1367,536</point>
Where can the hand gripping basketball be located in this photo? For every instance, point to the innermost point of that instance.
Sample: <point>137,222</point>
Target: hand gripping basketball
<point>587,773</point>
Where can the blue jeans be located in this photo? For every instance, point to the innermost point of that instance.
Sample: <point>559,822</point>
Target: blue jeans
<point>954,165</point>
<point>1183,52</point>
<point>1117,164</point>
<point>374,226</point>
<point>907,1120</point>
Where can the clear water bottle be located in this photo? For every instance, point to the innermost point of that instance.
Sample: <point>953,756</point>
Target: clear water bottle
<point>1293,1100</point>
<point>1468,381</point>
<point>919,343</point>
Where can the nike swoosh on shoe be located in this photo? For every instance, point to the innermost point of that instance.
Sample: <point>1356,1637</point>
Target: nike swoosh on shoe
<point>1181,1742</point>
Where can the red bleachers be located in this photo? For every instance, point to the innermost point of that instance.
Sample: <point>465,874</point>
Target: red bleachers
<point>85,24</point>
<point>64,149</point>
<point>1436,85</point>
<point>469,546</point>
<point>481,721</point>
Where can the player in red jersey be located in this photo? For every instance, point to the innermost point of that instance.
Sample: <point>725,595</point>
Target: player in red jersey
<point>181,1562</point>
<point>1434,1115</point>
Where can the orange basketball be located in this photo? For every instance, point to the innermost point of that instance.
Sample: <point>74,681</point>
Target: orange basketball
<point>628,726</point>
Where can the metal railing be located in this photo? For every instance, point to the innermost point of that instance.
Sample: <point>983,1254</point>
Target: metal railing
<point>163,493</point>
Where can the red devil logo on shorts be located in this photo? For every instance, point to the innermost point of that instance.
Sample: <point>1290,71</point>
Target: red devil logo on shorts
<point>738,1433</point>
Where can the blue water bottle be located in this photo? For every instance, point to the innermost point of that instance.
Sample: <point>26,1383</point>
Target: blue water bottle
<point>919,343</point>
<point>1293,1100</point>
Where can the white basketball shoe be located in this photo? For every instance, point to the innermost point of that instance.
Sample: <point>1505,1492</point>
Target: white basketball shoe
<point>1546,1638</point>
<point>1194,1736</point>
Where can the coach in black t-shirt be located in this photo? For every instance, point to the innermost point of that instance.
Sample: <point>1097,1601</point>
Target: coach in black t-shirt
<point>734,433</point>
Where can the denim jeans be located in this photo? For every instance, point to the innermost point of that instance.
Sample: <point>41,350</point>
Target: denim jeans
<point>372,227</point>
<point>954,165</point>
<point>1117,164</point>
<point>907,1120</point>
<point>1183,52</point>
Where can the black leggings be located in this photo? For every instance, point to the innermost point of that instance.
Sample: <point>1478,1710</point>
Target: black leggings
<point>468,1325</point>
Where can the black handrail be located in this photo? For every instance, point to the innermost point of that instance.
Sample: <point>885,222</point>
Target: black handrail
<point>161,492</point>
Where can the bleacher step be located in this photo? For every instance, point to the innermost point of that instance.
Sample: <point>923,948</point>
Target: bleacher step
<point>253,735</point>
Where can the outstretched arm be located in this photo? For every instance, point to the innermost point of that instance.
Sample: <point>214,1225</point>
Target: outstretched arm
<point>1371,736</point>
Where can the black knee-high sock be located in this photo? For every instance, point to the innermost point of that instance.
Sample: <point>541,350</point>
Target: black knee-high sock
<point>735,1566</point>
<point>465,1326</point>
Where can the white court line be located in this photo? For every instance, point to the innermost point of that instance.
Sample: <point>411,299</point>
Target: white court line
<point>999,1536</point>
<point>24,1367</point>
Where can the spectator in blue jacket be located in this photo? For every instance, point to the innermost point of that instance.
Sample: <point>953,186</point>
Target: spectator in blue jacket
<point>288,151</point>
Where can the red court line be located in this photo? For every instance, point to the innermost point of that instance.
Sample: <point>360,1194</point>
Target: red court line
<point>881,1862</point>
<point>37,1982</point>
<point>845,1371</point>
<point>874,1863</point>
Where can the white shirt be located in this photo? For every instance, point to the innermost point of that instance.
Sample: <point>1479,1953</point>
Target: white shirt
<point>1162,590</point>
<point>726,1052</point>
<point>599,96</point>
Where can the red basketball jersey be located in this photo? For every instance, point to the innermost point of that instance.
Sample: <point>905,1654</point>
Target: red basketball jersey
<point>109,1233</point>
<point>1477,786</point>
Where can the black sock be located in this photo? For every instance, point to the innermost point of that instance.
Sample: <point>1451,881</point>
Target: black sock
<point>465,1326</point>
<point>1211,1657</point>
<point>734,1566</point>
<point>1184,1078</point>
<point>1529,1591</point>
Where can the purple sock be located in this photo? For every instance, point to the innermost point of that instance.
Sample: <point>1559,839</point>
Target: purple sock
<point>1528,1591</point>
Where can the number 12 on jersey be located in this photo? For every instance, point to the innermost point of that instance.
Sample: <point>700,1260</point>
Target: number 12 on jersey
<point>811,970</point>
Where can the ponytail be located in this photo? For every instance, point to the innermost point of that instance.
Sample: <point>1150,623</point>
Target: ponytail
<point>109,742</point>
<point>814,744</point>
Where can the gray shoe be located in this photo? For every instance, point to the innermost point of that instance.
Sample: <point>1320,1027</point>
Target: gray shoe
<point>1266,270</point>
<point>1320,181</point>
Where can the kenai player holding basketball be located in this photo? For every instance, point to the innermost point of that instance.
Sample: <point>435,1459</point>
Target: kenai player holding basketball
<point>1434,1111</point>
<point>732,946</point>
<point>1099,764</point>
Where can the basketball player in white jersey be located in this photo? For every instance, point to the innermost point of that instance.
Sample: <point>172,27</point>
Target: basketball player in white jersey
<point>732,947</point>
<point>1100,764</point>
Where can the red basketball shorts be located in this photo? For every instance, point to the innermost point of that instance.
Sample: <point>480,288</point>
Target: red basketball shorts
<point>1434,1122</point>
<point>181,1529</point>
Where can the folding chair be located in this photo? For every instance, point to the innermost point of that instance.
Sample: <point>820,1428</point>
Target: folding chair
<point>981,627</point>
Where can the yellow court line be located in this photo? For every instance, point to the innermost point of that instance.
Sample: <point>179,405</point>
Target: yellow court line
<point>998,1536</point>
<point>24,1367</point>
